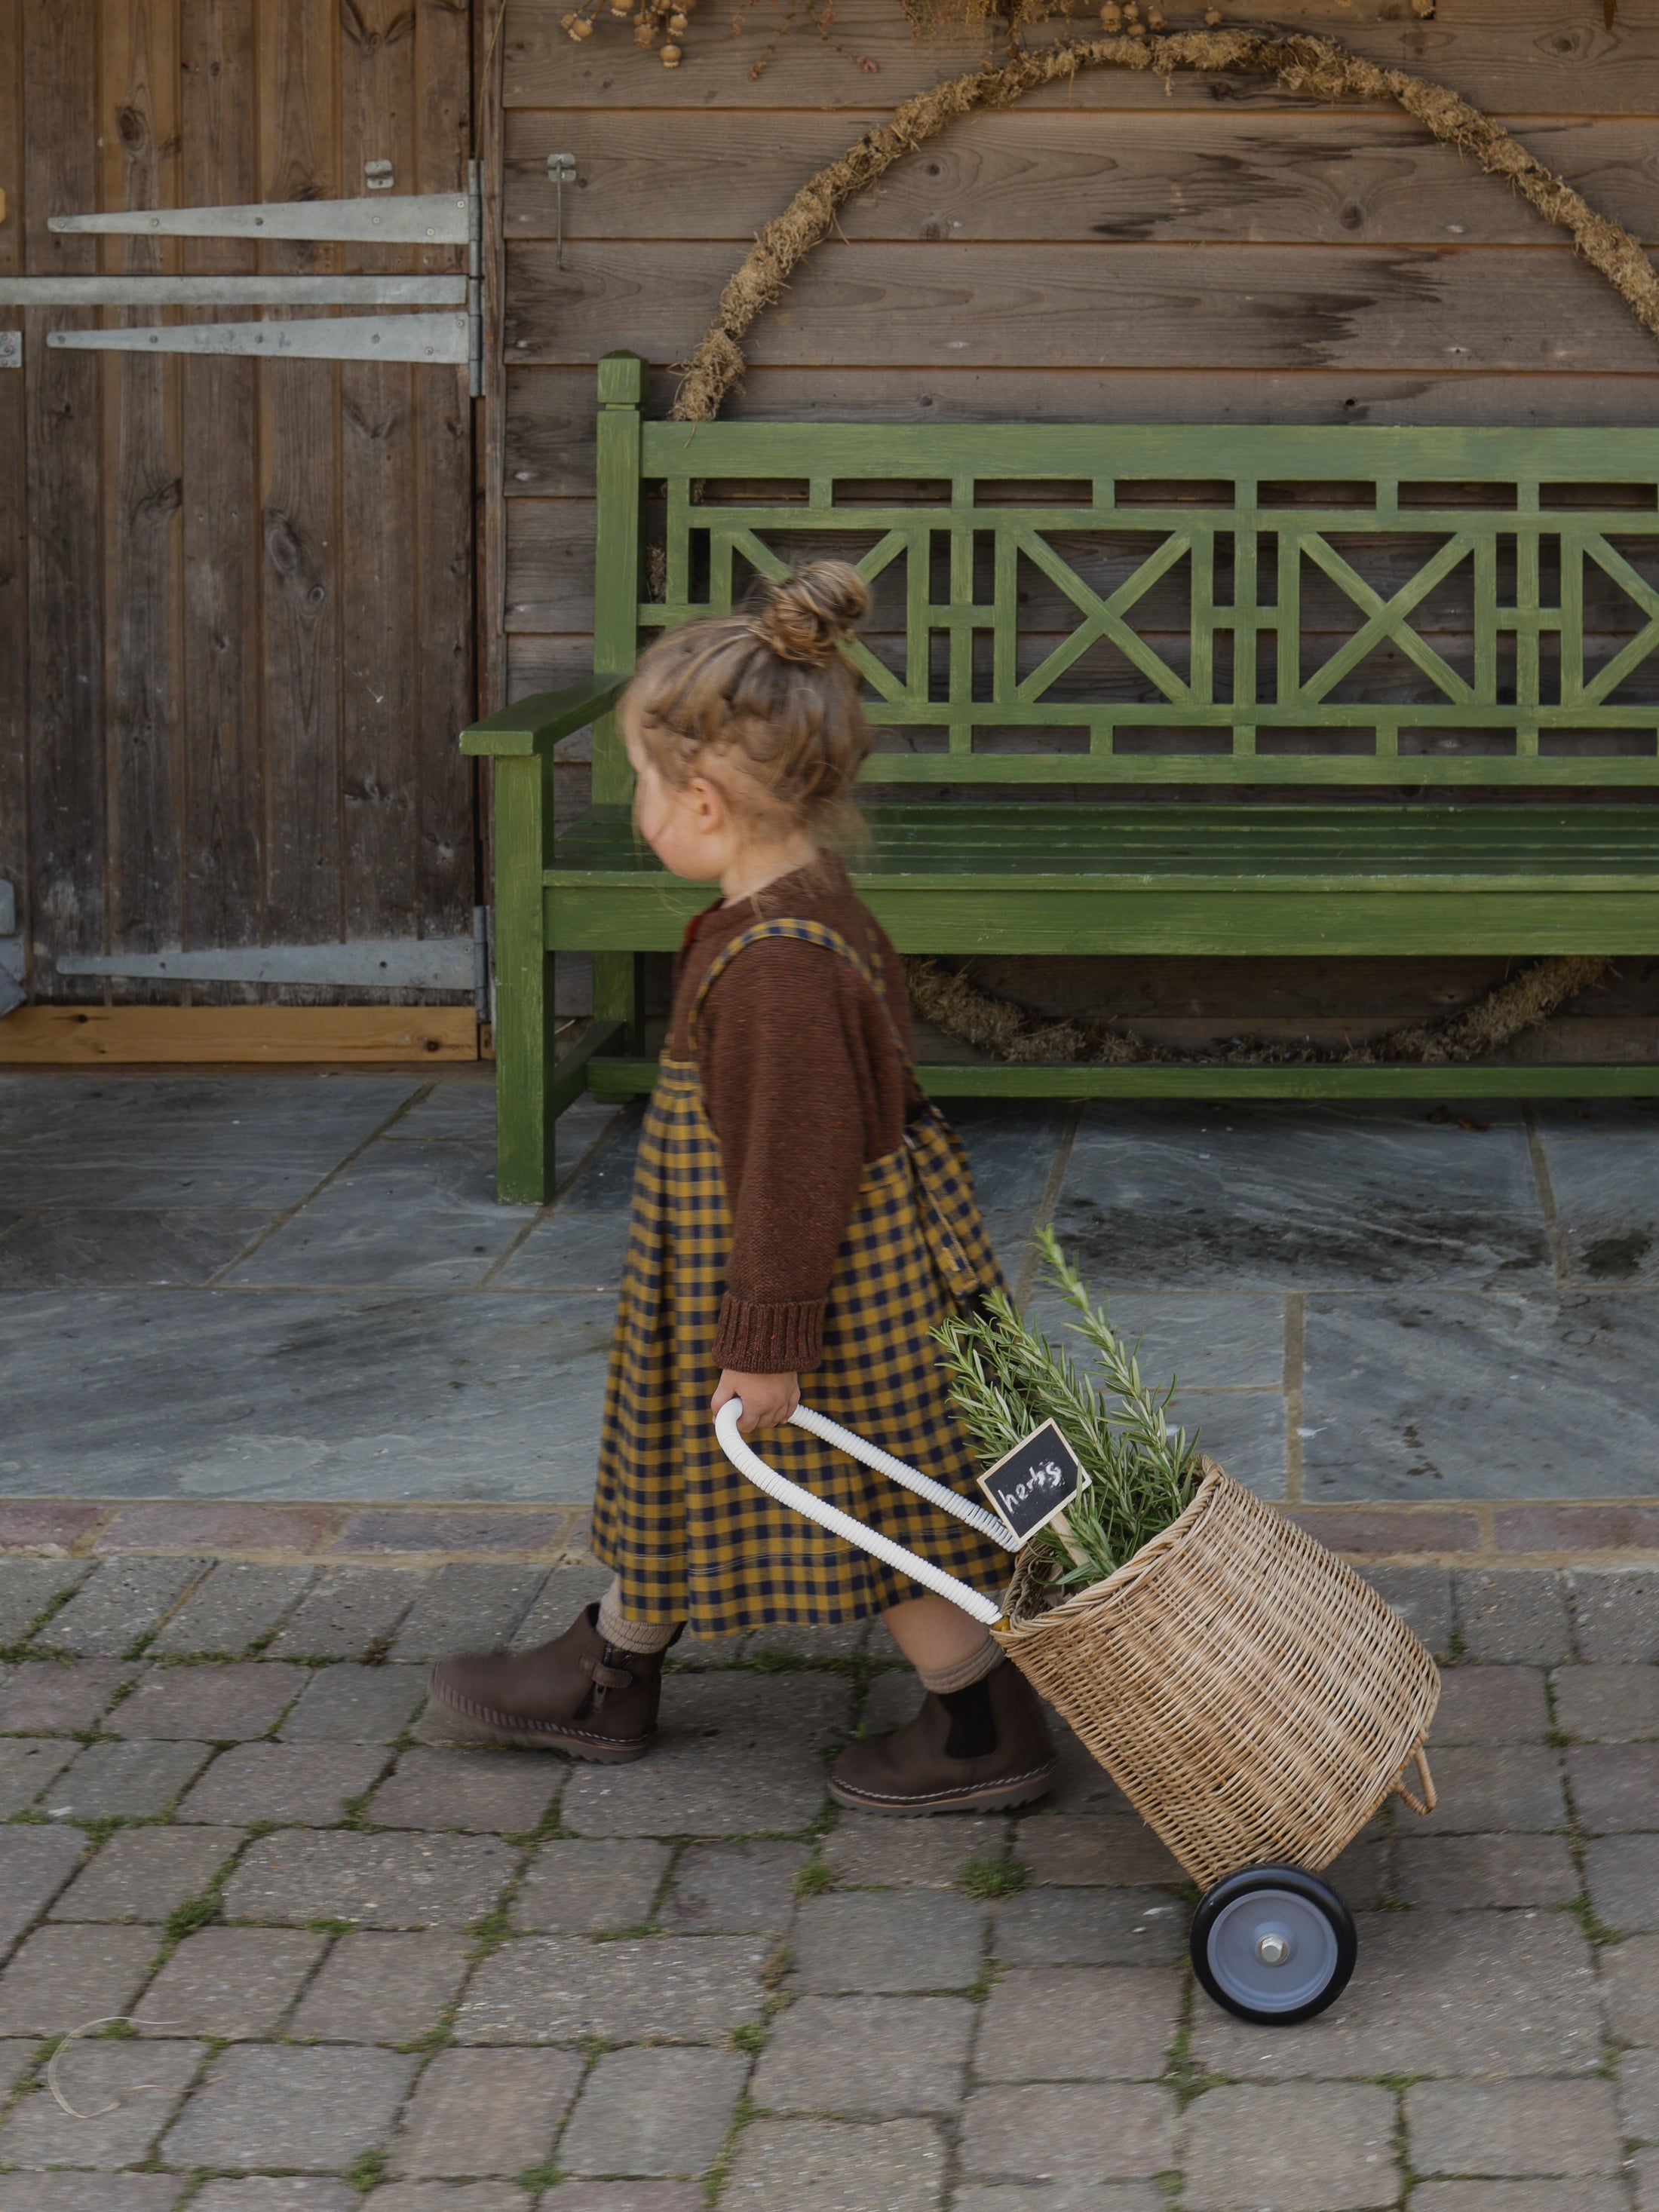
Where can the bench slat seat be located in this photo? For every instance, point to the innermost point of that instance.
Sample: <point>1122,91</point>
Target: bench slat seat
<point>1234,880</point>
<point>1283,613</point>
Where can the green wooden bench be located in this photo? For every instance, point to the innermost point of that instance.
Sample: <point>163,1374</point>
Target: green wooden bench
<point>1390,613</point>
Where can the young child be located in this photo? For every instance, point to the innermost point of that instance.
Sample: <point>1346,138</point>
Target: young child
<point>799,1210</point>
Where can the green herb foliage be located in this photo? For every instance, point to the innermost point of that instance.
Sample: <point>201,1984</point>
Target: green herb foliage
<point>1006,1379</point>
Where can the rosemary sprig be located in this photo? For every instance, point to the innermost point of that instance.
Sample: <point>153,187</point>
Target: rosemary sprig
<point>1006,1378</point>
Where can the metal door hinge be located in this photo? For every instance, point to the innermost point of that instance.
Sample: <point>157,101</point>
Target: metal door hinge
<point>11,349</point>
<point>230,292</point>
<point>394,964</point>
<point>11,952</point>
<point>435,338</point>
<point>413,219</point>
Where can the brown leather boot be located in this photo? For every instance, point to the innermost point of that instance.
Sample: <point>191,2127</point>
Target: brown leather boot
<point>979,1750</point>
<point>578,1694</point>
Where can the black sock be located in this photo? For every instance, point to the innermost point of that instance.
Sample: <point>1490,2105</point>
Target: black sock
<point>973,1724</point>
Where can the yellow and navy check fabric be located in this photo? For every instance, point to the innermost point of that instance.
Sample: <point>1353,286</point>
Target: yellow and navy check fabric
<point>691,1539</point>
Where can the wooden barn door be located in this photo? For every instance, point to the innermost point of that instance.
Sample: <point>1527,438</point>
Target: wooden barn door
<point>236,595</point>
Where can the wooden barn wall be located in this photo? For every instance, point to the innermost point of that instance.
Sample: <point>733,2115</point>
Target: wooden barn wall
<point>236,628</point>
<point>1216,251</point>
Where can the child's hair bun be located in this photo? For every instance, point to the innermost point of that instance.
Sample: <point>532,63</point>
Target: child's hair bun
<point>804,617</point>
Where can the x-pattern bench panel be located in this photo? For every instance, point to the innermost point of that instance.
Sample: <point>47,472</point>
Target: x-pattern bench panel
<point>1210,604</point>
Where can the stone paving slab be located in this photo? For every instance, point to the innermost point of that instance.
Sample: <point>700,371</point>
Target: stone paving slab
<point>868,2057</point>
<point>1176,1194</point>
<point>192,1140</point>
<point>483,1792</point>
<point>126,1602</point>
<point>127,2092</point>
<point>35,1863</point>
<point>275,2105</point>
<point>351,1704</point>
<point>653,2111</point>
<point>218,1705</point>
<point>383,1988</point>
<point>552,1989</point>
<point>486,2112</point>
<point>711,1979</point>
<point>291,1393</point>
<point>1360,1300</point>
<point>118,1781</point>
<point>116,1247</point>
<point>239,1604</point>
<point>399,1217</point>
<point>370,1881</point>
<point>466,1605</point>
<point>581,1886</point>
<point>146,1873</point>
<point>86,2192</point>
<point>1500,1396</point>
<point>826,2165</point>
<point>236,1985</point>
<point>1406,1547</point>
<point>29,1586</point>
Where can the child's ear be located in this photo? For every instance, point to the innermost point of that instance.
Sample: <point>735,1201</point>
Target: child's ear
<point>708,803</point>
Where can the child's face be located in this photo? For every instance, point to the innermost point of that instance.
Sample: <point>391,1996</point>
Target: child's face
<point>689,829</point>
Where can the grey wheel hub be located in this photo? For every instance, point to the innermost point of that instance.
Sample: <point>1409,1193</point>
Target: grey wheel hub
<point>1272,1950</point>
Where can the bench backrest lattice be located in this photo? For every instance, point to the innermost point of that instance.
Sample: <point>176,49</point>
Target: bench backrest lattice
<point>1120,604</point>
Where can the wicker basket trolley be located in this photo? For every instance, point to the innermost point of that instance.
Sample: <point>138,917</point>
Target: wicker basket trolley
<point>1253,1698</point>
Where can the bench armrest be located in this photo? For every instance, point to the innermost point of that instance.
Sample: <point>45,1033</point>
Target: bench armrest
<point>539,722</point>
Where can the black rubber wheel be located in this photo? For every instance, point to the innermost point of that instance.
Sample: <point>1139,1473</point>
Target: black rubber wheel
<point>1273,1945</point>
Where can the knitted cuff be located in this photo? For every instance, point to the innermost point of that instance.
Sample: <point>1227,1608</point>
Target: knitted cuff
<point>966,1671</point>
<point>769,1339</point>
<point>640,1636</point>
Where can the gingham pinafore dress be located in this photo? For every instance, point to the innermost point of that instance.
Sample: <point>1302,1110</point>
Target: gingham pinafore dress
<point>691,1539</point>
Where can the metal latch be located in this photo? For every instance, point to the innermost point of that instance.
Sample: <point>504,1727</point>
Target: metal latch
<point>560,172</point>
<point>392,964</point>
<point>11,349</point>
<point>413,219</point>
<point>11,952</point>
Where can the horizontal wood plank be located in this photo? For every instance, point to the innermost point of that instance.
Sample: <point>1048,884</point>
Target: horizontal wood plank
<point>551,411</point>
<point>1513,56</point>
<point>1159,307</point>
<point>1363,177</point>
<point>53,1037</point>
<point>1340,918</point>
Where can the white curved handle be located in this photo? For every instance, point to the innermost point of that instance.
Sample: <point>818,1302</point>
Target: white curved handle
<point>948,1501</point>
<point>750,1462</point>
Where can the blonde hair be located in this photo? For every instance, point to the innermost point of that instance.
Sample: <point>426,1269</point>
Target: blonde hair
<point>768,687</point>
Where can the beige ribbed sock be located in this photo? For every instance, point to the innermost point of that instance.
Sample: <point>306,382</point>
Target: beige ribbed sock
<point>627,1635</point>
<point>966,1671</point>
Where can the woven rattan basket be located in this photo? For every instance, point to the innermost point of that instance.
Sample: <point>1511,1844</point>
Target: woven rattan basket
<point>1253,1698</point>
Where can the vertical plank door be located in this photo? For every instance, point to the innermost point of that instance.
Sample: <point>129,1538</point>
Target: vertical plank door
<point>237,596</point>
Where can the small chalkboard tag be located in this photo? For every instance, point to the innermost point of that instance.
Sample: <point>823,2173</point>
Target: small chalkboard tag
<point>1036,1480</point>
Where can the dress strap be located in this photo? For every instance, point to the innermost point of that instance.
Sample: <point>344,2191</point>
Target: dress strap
<point>803,932</point>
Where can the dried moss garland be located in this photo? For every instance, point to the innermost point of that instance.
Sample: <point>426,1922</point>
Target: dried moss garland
<point>1320,68</point>
<point>946,997</point>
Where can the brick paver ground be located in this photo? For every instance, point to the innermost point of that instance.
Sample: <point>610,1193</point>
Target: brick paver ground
<point>363,1968</point>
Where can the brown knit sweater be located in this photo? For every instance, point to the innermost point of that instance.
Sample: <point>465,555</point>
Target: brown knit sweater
<point>804,1085</point>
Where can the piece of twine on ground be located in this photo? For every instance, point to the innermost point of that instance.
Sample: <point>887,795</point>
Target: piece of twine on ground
<point>1319,68</point>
